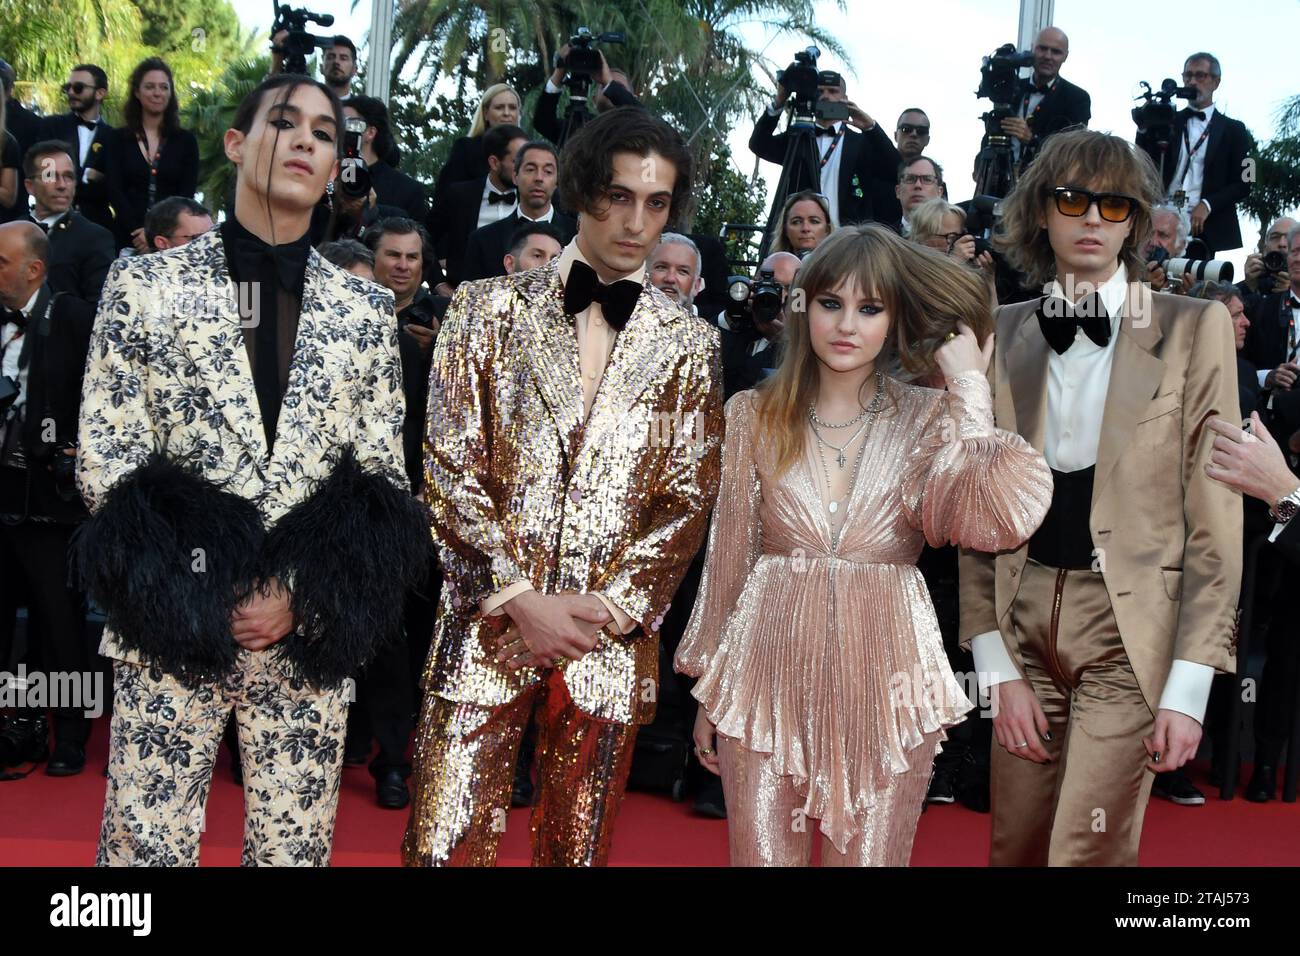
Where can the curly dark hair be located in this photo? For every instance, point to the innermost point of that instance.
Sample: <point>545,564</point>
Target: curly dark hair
<point>587,160</point>
<point>133,112</point>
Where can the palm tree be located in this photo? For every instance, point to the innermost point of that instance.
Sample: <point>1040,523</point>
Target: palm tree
<point>209,115</point>
<point>1276,166</point>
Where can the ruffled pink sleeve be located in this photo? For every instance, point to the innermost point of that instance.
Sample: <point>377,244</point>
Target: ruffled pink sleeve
<point>734,541</point>
<point>972,484</point>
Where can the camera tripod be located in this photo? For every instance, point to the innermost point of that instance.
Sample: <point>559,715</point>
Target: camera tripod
<point>995,166</point>
<point>800,170</point>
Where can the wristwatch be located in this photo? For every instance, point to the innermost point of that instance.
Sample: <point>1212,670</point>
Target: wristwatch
<point>1286,507</point>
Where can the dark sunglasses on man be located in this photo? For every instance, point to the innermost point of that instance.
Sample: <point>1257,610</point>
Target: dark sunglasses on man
<point>907,128</point>
<point>76,89</point>
<point>1113,207</point>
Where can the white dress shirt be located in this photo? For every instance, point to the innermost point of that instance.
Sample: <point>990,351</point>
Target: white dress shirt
<point>1027,110</point>
<point>11,343</point>
<point>1295,322</point>
<point>830,179</point>
<point>1194,181</point>
<point>490,212</point>
<point>1077,384</point>
<point>84,138</point>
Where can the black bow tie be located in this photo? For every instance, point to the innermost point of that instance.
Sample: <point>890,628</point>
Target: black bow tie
<point>616,299</point>
<point>289,261</point>
<point>89,124</point>
<point>827,130</point>
<point>1292,302</point>
<point>45,227</point>
<point>1197,113</point>
<point>1060,321</point>
<point>1039,89</point>
<point>15,316</point>
<point>494,198</point>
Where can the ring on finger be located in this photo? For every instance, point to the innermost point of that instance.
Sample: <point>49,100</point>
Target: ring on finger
<point>1023,743</point>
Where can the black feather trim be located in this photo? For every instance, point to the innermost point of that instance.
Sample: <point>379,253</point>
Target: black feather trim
<point>139,558</point>
<point>351,549</point>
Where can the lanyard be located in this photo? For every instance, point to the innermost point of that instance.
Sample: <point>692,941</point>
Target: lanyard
<point>1191,150</point>
<point>835,141</point>
<point>153,170</point>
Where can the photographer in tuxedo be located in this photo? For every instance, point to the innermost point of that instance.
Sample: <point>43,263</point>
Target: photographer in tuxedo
<point>1170,227</point>
<point>1258,280</point>
<point>44,336</point>
<point>84,129</point>
<point>1273,339</point>
<point>80,251</point>
<point>392,187</point>
<point>476,203</point>
<point>536,172</point>
<point>1049,103</point>
<point>610,89</point>
<point>1206,173</point>
<point>856,156</point>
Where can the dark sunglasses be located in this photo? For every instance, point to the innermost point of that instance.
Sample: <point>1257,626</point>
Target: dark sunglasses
<point>76,89</point>
<point>1113,207</point>
<point>918,130</point>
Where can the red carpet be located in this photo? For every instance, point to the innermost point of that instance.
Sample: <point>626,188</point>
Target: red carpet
<point>46,821</point>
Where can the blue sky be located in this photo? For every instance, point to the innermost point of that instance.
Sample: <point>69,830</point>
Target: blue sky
<point>928,54</point>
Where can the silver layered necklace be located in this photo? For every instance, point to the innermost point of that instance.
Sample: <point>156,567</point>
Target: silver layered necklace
<point>862,421</point>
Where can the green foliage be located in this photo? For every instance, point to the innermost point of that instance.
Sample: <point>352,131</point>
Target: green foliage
<point>728,197</point>
<point>1276,189</point>
<point>209,115</point>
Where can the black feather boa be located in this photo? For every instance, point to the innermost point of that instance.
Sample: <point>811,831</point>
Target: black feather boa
<point>168,555</point>
<point>351,549</point>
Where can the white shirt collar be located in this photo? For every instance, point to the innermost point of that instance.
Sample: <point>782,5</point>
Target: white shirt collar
<point>549,216</point>
<point>31,303</point>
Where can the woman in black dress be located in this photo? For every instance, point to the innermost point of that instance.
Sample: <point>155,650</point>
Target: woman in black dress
<point>153,158</point>
<point>500,105</point>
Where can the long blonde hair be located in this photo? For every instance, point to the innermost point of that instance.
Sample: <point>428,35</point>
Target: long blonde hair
<point>480,115</point>
<point>925,294</point>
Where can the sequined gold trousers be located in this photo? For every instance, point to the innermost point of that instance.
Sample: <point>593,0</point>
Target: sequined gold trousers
<point>766,825</point>
<point>464,767</point>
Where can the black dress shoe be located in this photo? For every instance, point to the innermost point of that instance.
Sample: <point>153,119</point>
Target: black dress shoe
<point>710,801</point>
<point>25,739</point>
<point>943,781</point>
<point>1263,784</point>
<point>69,759</point>
<point>973,783</point>
<point>390,790</point>
<point>1175,787</point>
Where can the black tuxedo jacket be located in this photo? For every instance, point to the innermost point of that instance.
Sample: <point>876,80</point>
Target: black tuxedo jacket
<point>92,199</point>
<point>394,188</point>
<point>466,161</point>
<point>1224,185</point>
<point>740,369</point>
<point>1266,343</point>
<point>713,297</point>
<point>863,161</point>
<point>23,124</point>
<point>56,343</point>
<point>487,247</point>
<point>1063,106</point>
<point>452,224</point>
<point>80,255</point>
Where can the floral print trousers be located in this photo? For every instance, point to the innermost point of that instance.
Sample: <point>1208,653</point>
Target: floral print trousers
<point>163,745</point>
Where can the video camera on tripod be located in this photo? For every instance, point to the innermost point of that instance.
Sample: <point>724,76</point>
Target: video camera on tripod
<point>299,44</point>
<point>802,79</point>
<point>581,65</point>
<point>995,172</point>
<point>1155,116</point>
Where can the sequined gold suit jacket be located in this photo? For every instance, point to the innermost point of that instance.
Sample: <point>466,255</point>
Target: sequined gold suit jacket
<point>521,487</point>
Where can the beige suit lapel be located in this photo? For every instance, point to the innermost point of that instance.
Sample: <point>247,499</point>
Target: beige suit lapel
<point>1027,378</point>
<point>1135,374</point>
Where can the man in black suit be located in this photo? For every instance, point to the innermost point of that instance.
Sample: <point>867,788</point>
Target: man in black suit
<point>748,357</point>
<point>1204,169</point>
<point>478,202</point>
<point>1049,103</point>
<point>911,138</point>
<point>609,89</point>
<point>1273,339</point>
<point>85,130</point>
<point>854,165</point>
<point>44,337</point>
<point>536,172</point>
<point>1257,282</point>
<point>392,186</point>
<point>80,250</point>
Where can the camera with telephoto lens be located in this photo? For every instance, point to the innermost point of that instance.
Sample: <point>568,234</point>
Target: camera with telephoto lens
<point>802,79</point>
<point>353,171</point>
<point>583,61</point>
<point>751,303</point>
<point>1158,256</point>
<point>299,44</point>
<point>1216,270</point>
<point>1155,115</point>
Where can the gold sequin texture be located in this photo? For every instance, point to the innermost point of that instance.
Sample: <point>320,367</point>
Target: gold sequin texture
<point>827,660</point>
<point>520,487</point>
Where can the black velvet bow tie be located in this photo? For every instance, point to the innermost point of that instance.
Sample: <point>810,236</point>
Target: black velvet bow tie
<point>1197,113</point>
<point>89,124</point>
<point>289,260</point>
<point>1061,321</point>
<point>15,316</point>
<point>826,130</point>
<point>616,299</point>
<point>494,198</point>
